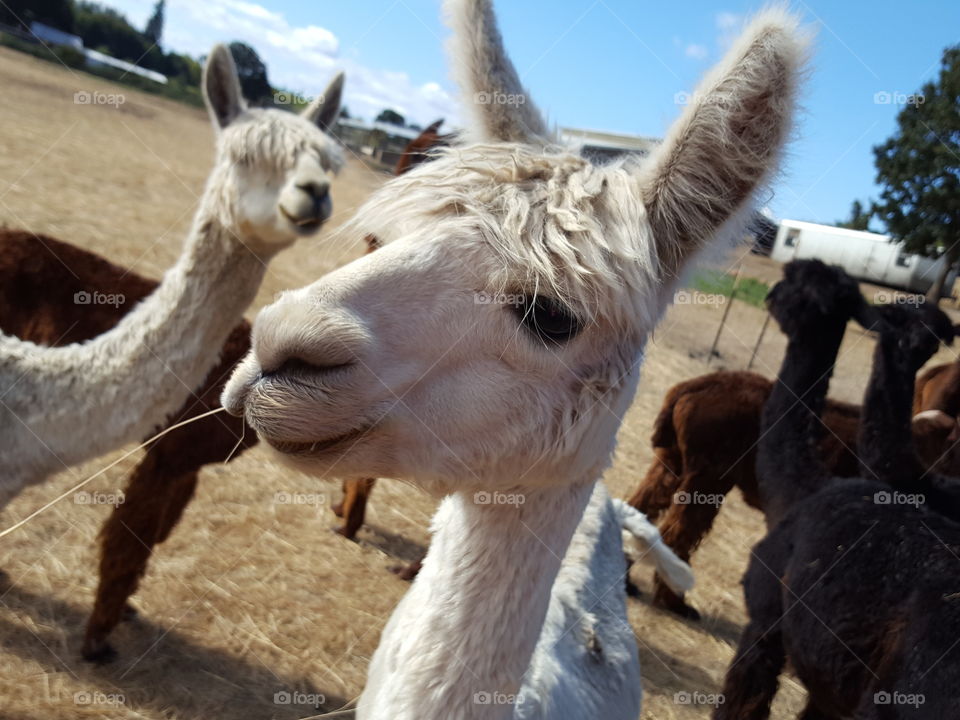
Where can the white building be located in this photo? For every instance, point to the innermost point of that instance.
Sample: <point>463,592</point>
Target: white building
<point>47,34</point>
<point>600,145</point>
<point>98,58</point>
<point>864,255</point>
<point>55,37</point>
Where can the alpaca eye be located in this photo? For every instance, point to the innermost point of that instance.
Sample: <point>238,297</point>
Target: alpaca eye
<point>548,319</point>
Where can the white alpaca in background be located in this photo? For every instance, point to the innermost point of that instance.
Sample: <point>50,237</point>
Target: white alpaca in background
<point>391,367</point>
<point>269,185</point>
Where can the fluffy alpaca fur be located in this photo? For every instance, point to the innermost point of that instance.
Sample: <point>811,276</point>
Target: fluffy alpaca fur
<point>858,594</point>
<point>269,185</point>
<point>397,365</point>
<point>704,442</point>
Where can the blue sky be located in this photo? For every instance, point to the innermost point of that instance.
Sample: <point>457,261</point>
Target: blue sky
<point>602,64</point>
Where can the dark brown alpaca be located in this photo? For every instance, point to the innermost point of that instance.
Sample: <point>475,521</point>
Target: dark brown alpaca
<point>418,149</point>
<point>705,444</point>
<point>39,279</point>
<point>858,593</point>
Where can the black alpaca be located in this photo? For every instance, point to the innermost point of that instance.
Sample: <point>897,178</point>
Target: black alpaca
<point>909,336</point>
<point>861,595</point>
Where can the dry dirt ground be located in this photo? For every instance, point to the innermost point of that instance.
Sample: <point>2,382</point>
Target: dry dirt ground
<point>249,597</point>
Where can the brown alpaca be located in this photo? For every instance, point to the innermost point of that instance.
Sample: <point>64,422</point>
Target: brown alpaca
<point>40,278</point>
<point>705,442</point>
<point>938,388</point>
<point>417,151</point>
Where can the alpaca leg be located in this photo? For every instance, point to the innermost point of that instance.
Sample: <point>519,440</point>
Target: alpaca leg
<point>753,677</point>
<point>407,572</point>
<point>337,507</point>
<point>754,674</point>
<point>812,712</point>
<point>659,485</point>
<point>152,509</point>
<point>354,506</point>
<point>683,528</point>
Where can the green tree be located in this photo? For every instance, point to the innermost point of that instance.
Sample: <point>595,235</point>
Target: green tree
<point>859,217</point>
<point>918,169</point>
<point>105,28</point>
<point>391,117</point>
<point>253,74</point>
<point>55,13</point>
<point>154,29</point>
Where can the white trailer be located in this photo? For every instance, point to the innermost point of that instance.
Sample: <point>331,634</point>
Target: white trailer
<point>864,255</point>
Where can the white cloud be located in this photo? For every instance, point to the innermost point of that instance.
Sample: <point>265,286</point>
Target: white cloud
<point>255,11</point>
<point>697,52</point>
<point>311,37</point>
<point>300,59</point>
<point>727,20</point>
<point>728,25</point>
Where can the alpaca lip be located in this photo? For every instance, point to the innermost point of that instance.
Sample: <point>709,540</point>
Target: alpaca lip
<point>317,447</point>
<point>304,225</point>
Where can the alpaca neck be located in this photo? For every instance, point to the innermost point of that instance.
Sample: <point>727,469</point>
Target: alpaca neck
<point>466,631</point>
<point>789,465</point>
<point>885,444</point>
<point>130,379</point>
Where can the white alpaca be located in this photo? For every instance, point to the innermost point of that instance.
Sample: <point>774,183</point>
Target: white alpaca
<point>269,185</point>
<point>399,365</point>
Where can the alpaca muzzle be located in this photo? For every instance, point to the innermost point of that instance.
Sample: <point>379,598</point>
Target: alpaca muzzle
<point>234,395</point>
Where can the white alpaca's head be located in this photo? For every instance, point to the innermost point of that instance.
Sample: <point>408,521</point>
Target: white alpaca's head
<point>495,340</point>
<point>273,167</point>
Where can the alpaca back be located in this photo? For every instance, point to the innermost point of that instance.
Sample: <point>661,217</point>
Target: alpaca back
<point>585,664</point>
<point>938,388</point>
<point>47,286</point>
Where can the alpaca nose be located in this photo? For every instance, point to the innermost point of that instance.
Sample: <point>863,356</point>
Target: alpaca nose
<point>297,336</point>
<point>319,193</point>
<point>300,366</point>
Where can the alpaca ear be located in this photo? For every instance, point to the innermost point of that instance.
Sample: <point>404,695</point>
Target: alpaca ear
<point>497,105</point>
<point>434,127</point>
<point>221,87</point>
<point>324,111</point>
<point>727,142</point>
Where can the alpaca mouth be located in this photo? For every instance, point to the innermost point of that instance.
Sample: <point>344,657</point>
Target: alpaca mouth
<point>319,447</point>
<point>304,225</point>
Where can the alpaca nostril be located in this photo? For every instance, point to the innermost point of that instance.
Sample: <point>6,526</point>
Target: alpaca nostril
<point>298,367</point>
<point>316,190</point>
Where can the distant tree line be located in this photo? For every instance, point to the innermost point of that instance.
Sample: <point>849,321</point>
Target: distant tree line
<point>108,31</point>
<point>104,29</point>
